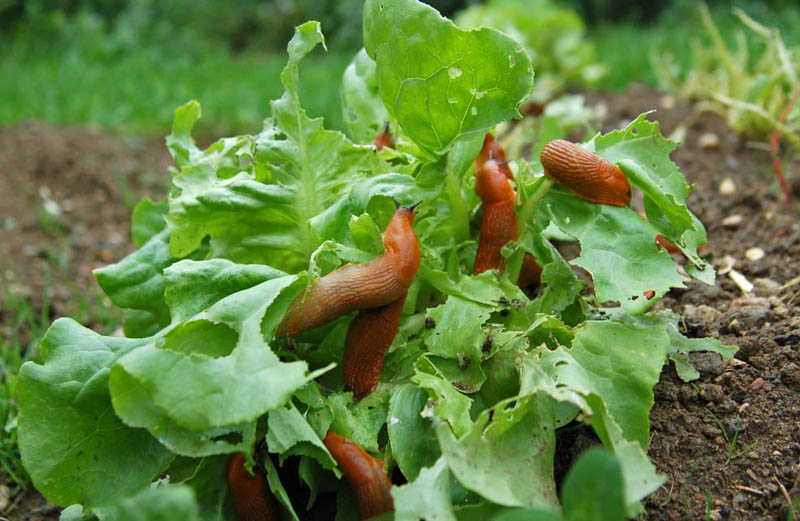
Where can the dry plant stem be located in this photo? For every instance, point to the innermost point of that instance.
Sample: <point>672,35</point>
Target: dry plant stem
<point>755,109</point>
<point>773,149</point>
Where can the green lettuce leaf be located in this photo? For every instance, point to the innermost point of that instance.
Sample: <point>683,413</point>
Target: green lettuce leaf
<point>364,113</point>
<point>222,347</point>
<point>426,497</point>
<point>441,82</point>
<point>507,456</point>
<point>411,436</point>
<point>65,410</point>
<point>159,503</point>
<point>256,195</point>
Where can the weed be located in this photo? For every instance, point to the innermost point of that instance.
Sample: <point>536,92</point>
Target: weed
<point>731,440</point>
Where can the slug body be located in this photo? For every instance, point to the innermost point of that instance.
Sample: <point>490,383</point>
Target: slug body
<point>366,475</point>
<point>384,139</point>
<point>530,274</point>
<point>371,334</point>
<point>499,224</point>
<point>251,497</point>
<point>585,174</point>
<point>493,150</point>
<point>352,287</point>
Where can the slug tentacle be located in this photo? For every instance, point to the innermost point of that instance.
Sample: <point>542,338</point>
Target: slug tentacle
<point>585,174</point>
<point>371,334</point>
<point>252,499</point>
<point>493,150</point>
<point>365,474</point>
<point>359,286</point>
<point>384,139</point>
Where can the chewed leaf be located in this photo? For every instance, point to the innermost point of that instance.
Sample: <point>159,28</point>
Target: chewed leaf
<point>242,378</point>
<point>507,455</point>
<point>426,497</point>
<point>618,248</point>
<point>442,82</point>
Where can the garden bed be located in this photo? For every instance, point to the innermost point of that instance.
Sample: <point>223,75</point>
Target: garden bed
<point>92,178</point>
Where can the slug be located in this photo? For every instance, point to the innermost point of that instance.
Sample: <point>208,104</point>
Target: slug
<point>251,497</point>
<point>530,274</point>
<point>352,287</point>
<point>384,139</point>
<point>366,475</point>
<point>499,224</point>
<point>660,239</point>
<point>370,335</point>
<point>493,150</point>
<point>585,174</point>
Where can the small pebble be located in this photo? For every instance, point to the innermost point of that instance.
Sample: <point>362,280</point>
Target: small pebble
<point>766,287</point>
<point>749,301</point>
<point>754,254</point>
<point>711,392</point>
<point>727,187</point>
<point>732,221</point>
<point>790,373</point>
<point>734,425</point>
<point>708,141</point>
<point>5,497</point>
<point>667,102</point>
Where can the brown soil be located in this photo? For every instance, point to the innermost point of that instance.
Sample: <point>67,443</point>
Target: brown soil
<point>758,393</point>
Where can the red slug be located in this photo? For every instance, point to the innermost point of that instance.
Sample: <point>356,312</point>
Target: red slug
<point>251,497</point>
<point>352,287</point>
<point>493,150</point>
<point>585,174</point>
<point>530,274</point>
<point>370,335</point>
<point>384,139</point>
<point>366,475</point>
<point>499,223</point>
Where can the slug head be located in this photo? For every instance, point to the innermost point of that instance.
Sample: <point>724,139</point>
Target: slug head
<point>493,150</point>
<point>401,244</point>
<point>384,139</point>
<point>491,185</point>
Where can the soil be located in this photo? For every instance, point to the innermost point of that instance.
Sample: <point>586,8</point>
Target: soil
<point>752,400</point>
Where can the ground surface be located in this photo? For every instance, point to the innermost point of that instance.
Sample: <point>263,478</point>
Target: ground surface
<point>91,176</point>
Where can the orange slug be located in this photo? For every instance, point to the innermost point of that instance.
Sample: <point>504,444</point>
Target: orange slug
<point>251,497</point>
<point>585,174</point>
<point>384,139</point>
<point>667,245</point>
<point>493,150</point>
<point>366,475</point>
<point>353,287</point>
<point>371,334</point>
<point>499,223</point>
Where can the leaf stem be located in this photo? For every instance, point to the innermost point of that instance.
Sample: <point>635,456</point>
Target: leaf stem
<point>542,186</point>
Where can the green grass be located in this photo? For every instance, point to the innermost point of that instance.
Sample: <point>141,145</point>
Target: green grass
<point>626,48</point>
<point>136,93</point>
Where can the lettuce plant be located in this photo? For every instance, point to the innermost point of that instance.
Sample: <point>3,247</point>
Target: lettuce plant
<point>480,375</point>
